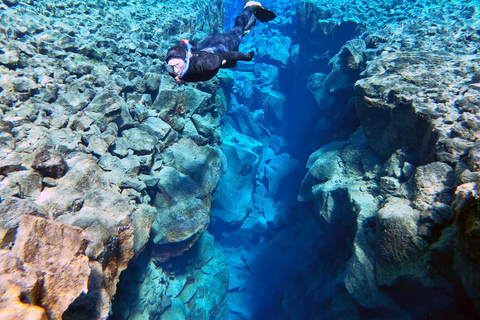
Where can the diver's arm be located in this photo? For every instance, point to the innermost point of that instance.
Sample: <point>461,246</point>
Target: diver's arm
<point>203,66</point>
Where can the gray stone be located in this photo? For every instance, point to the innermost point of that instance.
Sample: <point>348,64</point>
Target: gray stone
<point>152,80</point>
<point>389,185</point>
<point>408,170</point>
<point>122,180</point>
<point>353,53</point>
<point>5,126</point>
<point>273,103</point>
<point>156,127</point>
<point>179,222</point>
<point>73,100</point>
<point>97,145</point>
<point>205,125</point>
<point>120,148</point>
<point>190,132</point>
<point>8,188</point>
<point>11,210</point>
<point>276,48</point>
<point>24,84</point>
<point>400,251</point>
<point>80,122</point>
<point>11,162</point>
<point>203,164</point>
<point>434,184</point>
<point>138,140</point>
<point>150,181</point>
<point>49,182</point>
<point>176,186</point>
<point>234,196</point>
<point>49,164</point>
<point>29,183</point>
<point>83,197</point>
<point>76,67</point>
<point>107,103</point>
<point>9,57</point>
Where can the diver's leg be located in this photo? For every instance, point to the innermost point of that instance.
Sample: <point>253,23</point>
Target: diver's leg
<point>229,59</point>
<point>230,40</point>
<point>245,21</point>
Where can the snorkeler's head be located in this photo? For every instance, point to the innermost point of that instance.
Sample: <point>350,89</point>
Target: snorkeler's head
<point>178,59</point>
<point>175,67</point>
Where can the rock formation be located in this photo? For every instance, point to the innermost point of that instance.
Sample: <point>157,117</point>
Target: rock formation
<point>416,98</point>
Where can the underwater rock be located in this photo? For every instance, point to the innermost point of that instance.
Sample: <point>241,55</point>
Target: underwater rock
<point>83,198</point>
<point>138,141</point>
<point>399,251</point>
<point>416,108</point>
<point>317,85</point>
<point>434,187</point>
<point>467,249</point>
<point>205,165</point>
<point>156,127</point>
<point>142,220</point>
<point>12,209</point>
<point>275,49</point>
<point>29,182</point>
<point>193,285</point>
<point>54,268</point>
<point>411,116</point>
<point>50,164</point>
<point>273,103</point>
<point>23,84</point>
<point>16,282</point>
<point>189,176</point>
<point>233,198</point>
<point>11,162</point>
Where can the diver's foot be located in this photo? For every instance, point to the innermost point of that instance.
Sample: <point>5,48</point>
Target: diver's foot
<point>252,3</point>
<point>263,14</point>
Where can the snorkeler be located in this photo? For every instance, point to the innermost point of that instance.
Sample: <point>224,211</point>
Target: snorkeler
<point>186,63</point>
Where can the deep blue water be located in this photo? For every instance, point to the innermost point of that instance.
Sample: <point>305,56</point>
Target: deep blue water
<point>279,252</point>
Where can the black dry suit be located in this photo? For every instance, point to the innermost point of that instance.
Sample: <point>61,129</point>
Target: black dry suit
<point>218,50</point>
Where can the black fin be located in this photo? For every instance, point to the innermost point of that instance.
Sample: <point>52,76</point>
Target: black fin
<point>263,14</point>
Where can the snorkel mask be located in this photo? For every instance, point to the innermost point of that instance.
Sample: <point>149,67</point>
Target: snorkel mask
<point>178,70</point>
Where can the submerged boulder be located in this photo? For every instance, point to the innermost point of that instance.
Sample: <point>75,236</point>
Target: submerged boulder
<point>50,164</point>
<point>234,197</point>
<point>52,275</point>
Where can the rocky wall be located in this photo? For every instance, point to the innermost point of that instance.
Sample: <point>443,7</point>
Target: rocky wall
<point>405,195</point>
<point>101,153</point>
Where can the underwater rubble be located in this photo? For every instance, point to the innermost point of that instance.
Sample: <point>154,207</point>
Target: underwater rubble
<point>100,150</point>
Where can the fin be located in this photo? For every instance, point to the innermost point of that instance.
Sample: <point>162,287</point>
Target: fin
<point>263,14</point>
<point>252,3</point>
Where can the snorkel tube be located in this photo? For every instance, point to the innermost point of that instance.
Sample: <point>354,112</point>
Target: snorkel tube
<point>187,59</point>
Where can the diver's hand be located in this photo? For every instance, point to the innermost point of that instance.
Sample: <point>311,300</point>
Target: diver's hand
<point>250,55</point>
